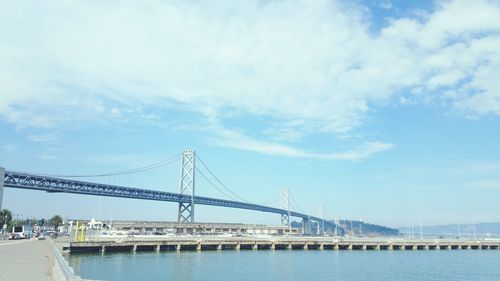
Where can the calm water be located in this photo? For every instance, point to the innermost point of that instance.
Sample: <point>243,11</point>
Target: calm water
<point>291,265</point>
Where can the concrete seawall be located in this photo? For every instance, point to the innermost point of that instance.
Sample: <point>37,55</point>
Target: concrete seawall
<point>59,266</point>
<point>274,243</point>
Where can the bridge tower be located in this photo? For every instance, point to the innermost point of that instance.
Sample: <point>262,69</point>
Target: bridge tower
<point>186,209</point>
<point>2,177</point>
<point>285,205</point>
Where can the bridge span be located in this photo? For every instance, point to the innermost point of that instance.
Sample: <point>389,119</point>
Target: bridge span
<point>186,198</point>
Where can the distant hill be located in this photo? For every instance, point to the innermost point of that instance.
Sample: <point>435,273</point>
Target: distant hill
<point>357,228</point>
<point>480,229</point>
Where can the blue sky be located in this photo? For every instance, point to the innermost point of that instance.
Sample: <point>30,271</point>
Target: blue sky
<point>384,111</point>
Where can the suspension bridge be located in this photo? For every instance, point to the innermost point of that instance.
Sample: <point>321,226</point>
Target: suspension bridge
<point>186,198</point>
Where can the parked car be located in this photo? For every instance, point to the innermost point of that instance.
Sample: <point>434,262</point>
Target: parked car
<point>15,236</point>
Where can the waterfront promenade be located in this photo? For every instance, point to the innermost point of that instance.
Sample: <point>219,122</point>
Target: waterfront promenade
<point>34,260</point>
<point>24,260</point>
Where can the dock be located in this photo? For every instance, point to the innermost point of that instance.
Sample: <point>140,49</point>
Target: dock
<point>158,244</point>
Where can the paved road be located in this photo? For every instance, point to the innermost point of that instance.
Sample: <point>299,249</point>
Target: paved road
<point>22,260</point>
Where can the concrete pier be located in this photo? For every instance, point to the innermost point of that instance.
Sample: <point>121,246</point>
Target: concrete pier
<point>189,243</point>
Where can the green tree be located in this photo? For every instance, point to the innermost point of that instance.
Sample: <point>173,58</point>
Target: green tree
<point>6,218</point>
<point>56,221</point>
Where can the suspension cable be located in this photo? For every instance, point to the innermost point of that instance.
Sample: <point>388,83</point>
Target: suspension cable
<point>213,185</point>
<point>155,165</point>
<point>295,203</point>
<point>220,182</point>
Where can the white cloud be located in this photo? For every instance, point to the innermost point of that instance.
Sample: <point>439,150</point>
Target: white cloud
<point>11,148</point>
<point>484,184</point>
<point>385,4</point>
<point>45,137</point>
<point>47,156</point>
<point>482,167</point>
<point>307,66</point>
<point>456,53</point>
<point>229,138</point>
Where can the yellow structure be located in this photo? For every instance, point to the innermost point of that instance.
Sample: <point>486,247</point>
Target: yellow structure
<point>75,238</point>
<point>79,234</point>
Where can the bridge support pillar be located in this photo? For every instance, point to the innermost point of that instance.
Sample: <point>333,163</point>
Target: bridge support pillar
<point>2,177</point>
<point>186,208</point>
<point>238,246</point>
<point>158,248</point>
<point>306,226</point>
